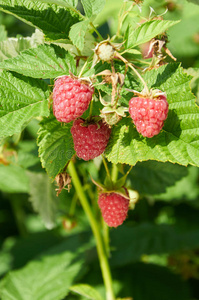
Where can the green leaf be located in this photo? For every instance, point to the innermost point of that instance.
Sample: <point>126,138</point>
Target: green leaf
<point>152,177</point>
<point>5,261</point>
<point>150,239</point>
<point>43,198</point>
<point>146,31</point>
<point>178,141</point>
<point>27,154</point>
<point>13,46</point>
<point>21,99</point>
<point>87,291</point>
<point>78,32</point>
<point>185,190</point>
<point>55,145</point>
<point>3,33</point>
<point>93,7</point>
<point>146,281</point>
<point>45,61</point>
<point>53,20</point>
<point>47,279</point>
<point>64,3</point>
<point>13,179</point>
<point>194,1</point>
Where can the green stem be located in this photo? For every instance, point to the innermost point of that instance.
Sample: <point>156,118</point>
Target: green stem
<point>106,168</point>
<point>114,172</point>
<point>120,16</point>
<point>90,111</point>
<point>140,77</point>
<point>52,82</point>
<point>83,68</point>
<point>73,205</point>
<point>19,213</point>
<point>96,31</point>
<point>105,268</point>
<point>135,71</point>
<point>106,238</point>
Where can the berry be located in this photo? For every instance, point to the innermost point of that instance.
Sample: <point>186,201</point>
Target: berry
<point>114,208</point>
<point>90,139</point>
<point>105,51</point>
<point>148,114</point>
<point>70,98</point>
<point>147,50</point>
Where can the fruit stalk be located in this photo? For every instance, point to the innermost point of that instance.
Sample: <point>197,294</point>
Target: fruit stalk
<point>135,71</point>
<point>105,268</point>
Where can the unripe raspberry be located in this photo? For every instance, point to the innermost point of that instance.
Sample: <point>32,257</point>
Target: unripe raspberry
<point>71,98</point>
<point>148,114</point>
<point>114,208</point>
<point>147,51</point>
<point>105,51</point>
<point>90,140</point>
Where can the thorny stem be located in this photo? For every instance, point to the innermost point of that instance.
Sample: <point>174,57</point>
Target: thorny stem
<point>105,268</point>
<point>135,71</point>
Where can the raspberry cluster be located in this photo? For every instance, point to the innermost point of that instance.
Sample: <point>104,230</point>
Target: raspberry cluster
<point>71,98</point>
<point>90,140</point>
<point>148,114</point>
<point>114,208</point>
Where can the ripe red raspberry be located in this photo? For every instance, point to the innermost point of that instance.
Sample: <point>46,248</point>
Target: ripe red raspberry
<point>90,140</point>
<point>70,98</point>
<point>114,208</point>
<point>148,114</point>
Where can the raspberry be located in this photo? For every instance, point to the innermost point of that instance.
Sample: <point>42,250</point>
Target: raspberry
<point>90,140</point>
<point>114,208</point>
<point>148,114</point>
<point>70,98</point>
<point>105,51</point>
<point>147,51</point>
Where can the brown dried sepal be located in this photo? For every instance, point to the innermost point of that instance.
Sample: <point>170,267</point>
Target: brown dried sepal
<point>114,79</point>
<point>63,181</point>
